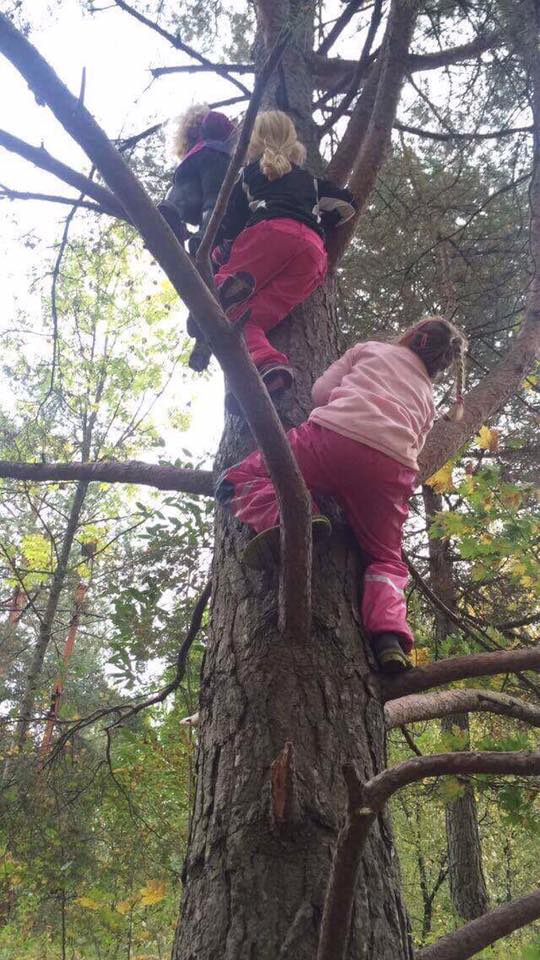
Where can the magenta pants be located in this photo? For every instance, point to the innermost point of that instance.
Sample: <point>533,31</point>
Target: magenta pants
<point>373,490</point>
<point>286,261</point>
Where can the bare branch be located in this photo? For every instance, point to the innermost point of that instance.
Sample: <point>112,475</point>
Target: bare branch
<point>441,672</point>
<point>203,68</point>
<point>485,930</point>
<point>41,158</point>
<point>431,706</point>
<point>224,339</point>
<point>344,18</point>
<point>6,193</point>
<point>446,58</point>
<point>367,800</point>
<point>178,44</point>
<point>359,70</point>
<point>131,471</point>
<point>455,135</point>
<point>393,64</point>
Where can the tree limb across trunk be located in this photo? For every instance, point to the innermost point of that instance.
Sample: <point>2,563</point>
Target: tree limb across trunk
<point>367,800</point>
<point>225,341</point>
<point>430,706</point>
<point>461,668</point>
<point>485,930</point>
<point>161,476</point>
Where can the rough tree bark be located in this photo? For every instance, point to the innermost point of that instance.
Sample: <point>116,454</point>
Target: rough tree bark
<point>466,878</point>
<point>267,815</point>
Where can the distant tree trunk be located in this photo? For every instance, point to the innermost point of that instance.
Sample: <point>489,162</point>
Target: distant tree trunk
<point>33,675</point>
<point>465,872</point>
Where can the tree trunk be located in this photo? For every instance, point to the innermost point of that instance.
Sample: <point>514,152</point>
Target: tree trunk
<point>259,856</point>
<point>465,872</point>
<point>46,624</point>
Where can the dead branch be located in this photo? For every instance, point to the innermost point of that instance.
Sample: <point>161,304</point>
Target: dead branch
<point>369,159</point>
<point>41,158</point>
<point>431,706</point>
<point>179,44</point>
<point>366,801</point>
<point>130,471</point>
<point>224,339</point>
<point>446,671</point>
<point>359,70</point>
<point>203,68</point>
<point>456,135</point>
<point>485,930</point>
<point>344,18</point>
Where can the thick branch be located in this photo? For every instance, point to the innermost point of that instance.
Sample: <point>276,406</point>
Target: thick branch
<point>485,930</point>
<point>131,471</point>
<point>224,340</point>
<point>461,668</point>
<point>179,45</point>
<point>367,800</point>
<point>41,158</point>
<point>431,706</point>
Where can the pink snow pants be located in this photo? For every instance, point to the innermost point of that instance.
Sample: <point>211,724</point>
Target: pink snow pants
<point>373,490</point>
<point>286,261</point>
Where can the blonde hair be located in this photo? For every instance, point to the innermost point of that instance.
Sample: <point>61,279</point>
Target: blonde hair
<point>186,129</point>
<point>439,344</point>
<point>275,141</point>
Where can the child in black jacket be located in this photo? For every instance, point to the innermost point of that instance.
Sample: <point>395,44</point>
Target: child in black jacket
<point>271,249</point>
<point>204,141</point>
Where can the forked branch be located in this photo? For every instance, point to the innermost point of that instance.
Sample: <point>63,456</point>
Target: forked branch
<point>366,801</point>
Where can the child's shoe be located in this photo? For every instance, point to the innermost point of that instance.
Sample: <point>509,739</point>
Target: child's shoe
<point>199,357</point>
<point>389,653</point>
<point>277,377</point>
<point>263,552</point>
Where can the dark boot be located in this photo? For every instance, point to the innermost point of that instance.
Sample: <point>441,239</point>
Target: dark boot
<point>389,653</point>
<point>263,552</point>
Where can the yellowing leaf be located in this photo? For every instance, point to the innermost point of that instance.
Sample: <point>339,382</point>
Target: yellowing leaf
<point>451,788</point>
<point>419,656</point>
<point>87,903</point>
<point>153,892</point>
<point>442,481</point>
<point>487,439</point>
<point>123,906</point>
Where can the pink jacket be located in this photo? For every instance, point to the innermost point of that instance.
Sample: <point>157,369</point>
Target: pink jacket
<point>379,394</point>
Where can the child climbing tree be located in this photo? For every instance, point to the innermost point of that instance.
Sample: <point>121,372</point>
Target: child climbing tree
<point>291,851</point>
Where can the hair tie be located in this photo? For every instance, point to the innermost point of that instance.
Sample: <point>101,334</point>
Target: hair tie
<point>459,398</point>
<point>424,339</point>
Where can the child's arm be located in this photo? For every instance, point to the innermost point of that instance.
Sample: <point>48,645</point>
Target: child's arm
<point>331,378</point>
<point>336,205</point>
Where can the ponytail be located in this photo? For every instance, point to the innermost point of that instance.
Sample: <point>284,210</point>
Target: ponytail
<point>440,345</point>
<point>275,141</point>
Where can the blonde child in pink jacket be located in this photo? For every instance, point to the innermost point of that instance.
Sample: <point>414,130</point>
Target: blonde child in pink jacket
<point>373,411</point>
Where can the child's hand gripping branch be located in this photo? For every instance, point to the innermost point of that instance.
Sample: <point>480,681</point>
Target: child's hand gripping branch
<point>270,248</point>
<point>373,411</point>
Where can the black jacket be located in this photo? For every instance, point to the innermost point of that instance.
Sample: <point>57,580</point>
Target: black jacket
<point>194,191</point>
<point>298,195</point>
